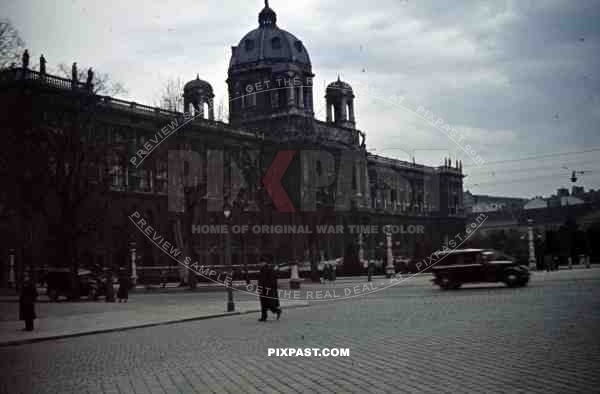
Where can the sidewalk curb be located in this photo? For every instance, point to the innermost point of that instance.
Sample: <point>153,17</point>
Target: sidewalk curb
<point>118,329</point>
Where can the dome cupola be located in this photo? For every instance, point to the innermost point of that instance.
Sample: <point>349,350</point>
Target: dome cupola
<point>198,95</point>
<point>339,98</point>
<point>270,74</point>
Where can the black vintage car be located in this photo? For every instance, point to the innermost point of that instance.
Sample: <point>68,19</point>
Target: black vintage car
<point>455,267</point>
<point>59,283</point>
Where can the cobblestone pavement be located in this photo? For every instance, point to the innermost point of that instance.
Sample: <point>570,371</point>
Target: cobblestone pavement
<point>540,339</point>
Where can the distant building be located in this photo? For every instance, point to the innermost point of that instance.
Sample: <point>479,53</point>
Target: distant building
<point>536,203</point>
<point>478,203</point>
<point>570,200</point>
<point>561,199</point>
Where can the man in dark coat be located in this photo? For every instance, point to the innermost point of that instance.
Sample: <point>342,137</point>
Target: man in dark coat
<point>110,290</point>
<point>269,298</point>
<point>27,304</point>
<point>123,292</point>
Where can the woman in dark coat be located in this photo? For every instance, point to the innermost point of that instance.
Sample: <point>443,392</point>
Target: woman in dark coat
<point>123,292</point>
<point>269,298</point>
<point>27,304</point>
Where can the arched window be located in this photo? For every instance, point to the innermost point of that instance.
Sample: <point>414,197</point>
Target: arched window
<point>250,100</point>
<point>274,99</point>
<point>282,97</point>
<point>298,45</point>
<point>276,43</point>
<point>307,96</point>
<point>205,109</point>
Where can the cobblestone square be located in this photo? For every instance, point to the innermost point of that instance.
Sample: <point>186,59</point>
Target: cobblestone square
<point>411,338</point>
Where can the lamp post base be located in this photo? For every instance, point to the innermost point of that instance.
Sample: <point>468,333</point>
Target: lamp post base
<point>295,284</point>
<point>390,272</point>
<point>230,303</point>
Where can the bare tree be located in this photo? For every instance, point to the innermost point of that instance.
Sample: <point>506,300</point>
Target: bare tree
<point>61,182</point>
<point>103,84</point>
<point>11,44</point>
<point>171,95</point>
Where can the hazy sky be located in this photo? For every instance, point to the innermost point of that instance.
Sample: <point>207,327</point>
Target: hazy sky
<point>515,78</point>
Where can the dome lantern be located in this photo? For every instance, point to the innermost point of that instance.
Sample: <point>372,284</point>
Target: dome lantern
<point>267,17</point>
<point>339,99</point>
<point>199,95</point>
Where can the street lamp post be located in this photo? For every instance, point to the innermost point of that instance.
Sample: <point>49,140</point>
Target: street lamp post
<point>532,264</point>
<point>361,251</point>
<point>389,268</point>
<point>230,303</point>
<point>134,276</point>
<point>11,268</point>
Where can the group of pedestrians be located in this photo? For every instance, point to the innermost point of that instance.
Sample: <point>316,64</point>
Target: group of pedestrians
<point>122,294</point>
<point>267,282</point>
<point>29,294</point>
<point>329,273</point>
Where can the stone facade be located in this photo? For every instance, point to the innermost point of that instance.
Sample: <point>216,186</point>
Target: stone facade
<point>264,120</point>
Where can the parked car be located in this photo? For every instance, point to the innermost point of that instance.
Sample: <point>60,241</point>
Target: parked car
<point>476,266</point>
<point>58,283</point>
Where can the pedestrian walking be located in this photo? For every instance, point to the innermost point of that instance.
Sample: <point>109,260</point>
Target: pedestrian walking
<point>27,303</point>
<point>269,298</point>
<point>124,284</point>
<point>163,278</point>
<point>547,262</point>
<point>326,273</point>
<point>110,290</point>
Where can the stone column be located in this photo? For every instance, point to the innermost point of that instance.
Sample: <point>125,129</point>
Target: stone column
<point>342,111</point>
<point>291,96</point>
<point>352,111</point>
<point>358,184</point>
<point>211,110</point>
<point>301,97</point>
<point>329,114</point>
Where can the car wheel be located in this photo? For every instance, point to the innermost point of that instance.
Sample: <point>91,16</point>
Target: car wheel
<point>445,282</point>
<point>512,279</point>
<point>53,295</point>
<point>456,285</point>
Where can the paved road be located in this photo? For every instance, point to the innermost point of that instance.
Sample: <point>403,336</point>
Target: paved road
<point>543,338</point>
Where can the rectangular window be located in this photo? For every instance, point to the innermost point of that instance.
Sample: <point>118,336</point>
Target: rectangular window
<point>250,100</point>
